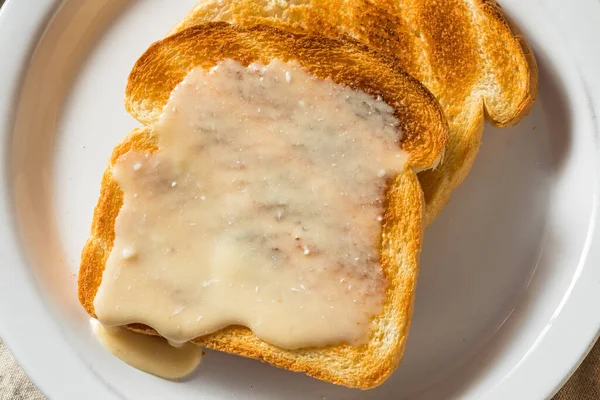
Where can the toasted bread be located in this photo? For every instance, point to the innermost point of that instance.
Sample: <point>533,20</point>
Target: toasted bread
<point>464,52</point>
<point>345,62</point>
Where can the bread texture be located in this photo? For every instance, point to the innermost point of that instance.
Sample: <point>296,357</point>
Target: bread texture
<point>344,61</point>
<point>465,52</point>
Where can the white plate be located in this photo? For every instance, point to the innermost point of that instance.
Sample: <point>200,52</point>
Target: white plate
<point>507,301</point>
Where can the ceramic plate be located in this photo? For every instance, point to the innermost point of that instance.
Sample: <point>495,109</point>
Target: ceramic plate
<point>507,300</point>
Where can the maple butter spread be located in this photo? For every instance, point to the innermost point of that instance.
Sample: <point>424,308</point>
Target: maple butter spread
<point>262,207</point>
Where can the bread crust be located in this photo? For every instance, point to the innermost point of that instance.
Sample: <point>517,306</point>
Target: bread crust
<point>466,52</point>
<point>346,62</point>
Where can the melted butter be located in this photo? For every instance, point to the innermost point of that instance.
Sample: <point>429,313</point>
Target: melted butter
<point>262,208</point>
<point>150,354</point>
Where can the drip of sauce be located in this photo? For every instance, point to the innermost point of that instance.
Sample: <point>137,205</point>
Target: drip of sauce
<point>262,207</point>
<point>151,354</point>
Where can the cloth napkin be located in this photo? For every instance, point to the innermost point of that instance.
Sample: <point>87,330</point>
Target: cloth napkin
<point>14,384</point>
<point>583,385</point>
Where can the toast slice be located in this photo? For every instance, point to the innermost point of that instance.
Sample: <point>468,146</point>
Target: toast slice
<point>465,52</point>
<point>345,62</point>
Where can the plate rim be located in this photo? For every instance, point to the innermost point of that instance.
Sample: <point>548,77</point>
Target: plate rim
<point>21,26</point>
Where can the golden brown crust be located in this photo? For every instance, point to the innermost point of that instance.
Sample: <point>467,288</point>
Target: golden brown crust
<point>509,55</point>
<point>102,234</point>
<point>346,62</point>
<point>466,53</point>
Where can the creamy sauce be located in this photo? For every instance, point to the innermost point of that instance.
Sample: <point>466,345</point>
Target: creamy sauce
<point>262,208</point>
<point>151,354</point>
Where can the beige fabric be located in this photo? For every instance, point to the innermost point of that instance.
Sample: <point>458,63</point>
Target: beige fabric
<point>583,385</point>
<point>14,385</point>
<point>585,382</point>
